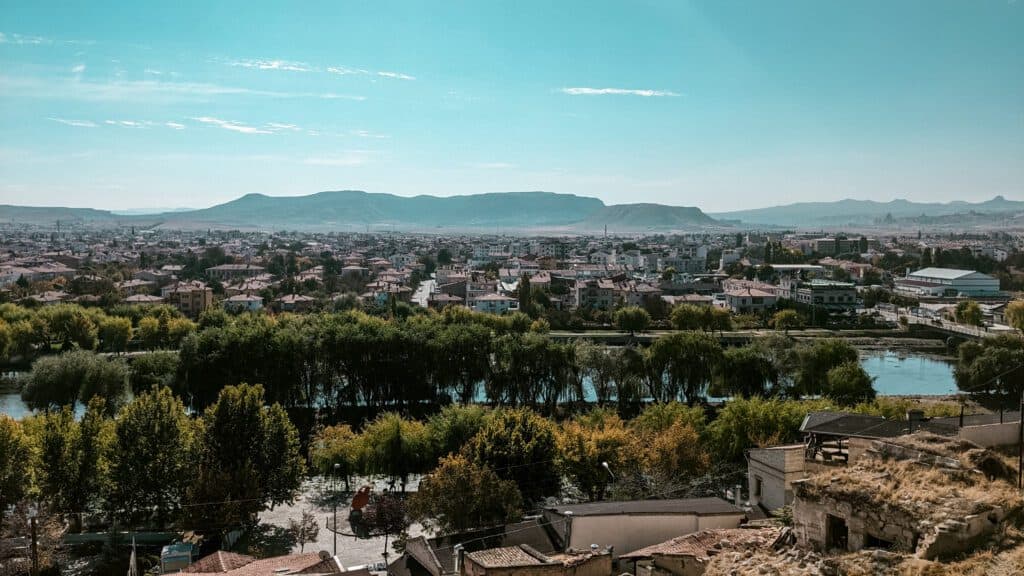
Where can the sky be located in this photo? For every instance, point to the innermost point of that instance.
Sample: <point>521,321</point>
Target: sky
<point>723,105</point>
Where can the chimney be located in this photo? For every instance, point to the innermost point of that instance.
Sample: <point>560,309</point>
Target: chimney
<point>737,495</point>
<point>914,418</point>
<point>568,529</point>
<point>458,558</point>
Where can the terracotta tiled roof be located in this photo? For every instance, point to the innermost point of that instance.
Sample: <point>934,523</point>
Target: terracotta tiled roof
<point>506,557</point>
<point>219,561</point>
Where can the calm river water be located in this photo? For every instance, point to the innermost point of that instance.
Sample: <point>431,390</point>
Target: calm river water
<point>895,375</point>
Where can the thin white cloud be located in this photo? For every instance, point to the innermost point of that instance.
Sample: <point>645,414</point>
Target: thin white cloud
<point>78,69</point>
<point>152,72</point>
<point>281,127</point>
<point>233,126</point>
<point>584,91</point>
<point>494,165</point>
<point>367,134</point>
<point>129,123</point>
<point>75,123</point>
<point>272,65</point>
<point>175,125</point>
<point>23,40</point>
<point>141,90</point>
<point>397,75</point>
<point>345,70</point>
<point>347,158</point>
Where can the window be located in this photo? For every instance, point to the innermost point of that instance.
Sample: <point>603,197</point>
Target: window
<point>758,483</point>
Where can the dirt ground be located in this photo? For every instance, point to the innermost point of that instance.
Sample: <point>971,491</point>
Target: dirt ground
<point>318,495</point>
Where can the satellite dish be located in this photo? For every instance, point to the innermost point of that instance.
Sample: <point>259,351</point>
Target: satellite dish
<point>361,499</point>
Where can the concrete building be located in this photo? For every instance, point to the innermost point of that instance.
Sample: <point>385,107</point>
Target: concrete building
<point>947,282</point>
<point>631,525</point>
<point>191,298</point>
<point>233,271</point>
<point>243,303</point>
<point>771,473</point>
<point>748,301</point>
<point>836,296</point>
<point>493,303</point>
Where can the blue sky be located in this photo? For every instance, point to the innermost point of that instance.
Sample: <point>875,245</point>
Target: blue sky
<point>723,105</point>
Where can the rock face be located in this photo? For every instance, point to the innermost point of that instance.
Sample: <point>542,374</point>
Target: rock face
<point>929,503</point>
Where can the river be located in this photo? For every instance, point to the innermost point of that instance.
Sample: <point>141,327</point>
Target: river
<point>895,374</point>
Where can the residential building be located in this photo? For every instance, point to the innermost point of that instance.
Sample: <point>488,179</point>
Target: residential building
<point>748,301</point>
<point>836,296</point>
<point>494,303</point>
<point>689,555</point>
<point>595,294</point>
<point>243,303</point>
<point>234,271</point>
<point>631,525</point>
<point>295,302</point>
<point>191,298</point>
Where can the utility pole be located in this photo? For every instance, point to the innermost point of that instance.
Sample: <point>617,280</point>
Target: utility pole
<point>35,547</point>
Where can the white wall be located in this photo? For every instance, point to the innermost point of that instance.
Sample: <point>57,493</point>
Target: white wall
<point>989,435</point>
<point>628,533</point>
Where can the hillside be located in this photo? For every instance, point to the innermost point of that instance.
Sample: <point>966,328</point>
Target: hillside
<point>864,211</point>
<point>351,210</point>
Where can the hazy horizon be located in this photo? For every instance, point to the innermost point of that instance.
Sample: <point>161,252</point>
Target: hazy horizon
<point>720,105</point>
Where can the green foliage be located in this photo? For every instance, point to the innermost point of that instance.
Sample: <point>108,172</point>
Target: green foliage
<point>817,359</point>
<point>659,417</point>
<point>518,445</point>
<point>115,333</point>
<point>152,461</point>
<point>460,495</point>
<point>451,428</point>
<point>248,458</point>
<point>849,384</point>
<point>745,372</point>
<point>681,365</point>
<point>395,447</point>
<point>153,369</point>
<point>748,423</point>
<point>632,319</point>
<point>1015,314</point>
<point>968,312</point>
<point>992,371</point>
<point>71,377</point>
<point>786,320</point>
<point>587,442</point>
<point>15,454</point>
<point>335,451</point>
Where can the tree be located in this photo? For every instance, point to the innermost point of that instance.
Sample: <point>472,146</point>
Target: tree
<point>115,333</point>
<point>153,369</point>
<point>15,454</point>
<point>745,372</point>
<point>149,333</point>
<point>57,381</point>
<point>676,453</point>
<point>460,495</point>
<point>849,384</point>
<point>968,312</point>
<point>992,371</point>
<point>335,451</point>
<point>598,364</point>
<point>152,459</point>
<point>786,320</point>
<point>451,428</point>
<point>632,319</point>
<point>1015,314</point>
<point>396,447</point>
<point>817,359</point>
<point>304,530</point>
<point>587,443</point>
<point>525,295</point>
<point>681,365</point>
<point>518,445</point>
<point>73,457</point>
<point>248,459</point>
<point>687,317</point>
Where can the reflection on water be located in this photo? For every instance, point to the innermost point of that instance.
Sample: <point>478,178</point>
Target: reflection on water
<point>895,375</point>
<point>905,374</point>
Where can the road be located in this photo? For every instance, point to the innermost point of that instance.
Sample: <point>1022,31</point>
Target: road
<point>423,292</point>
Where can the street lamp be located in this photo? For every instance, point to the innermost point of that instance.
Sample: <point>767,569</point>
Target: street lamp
<point>337,467</point>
